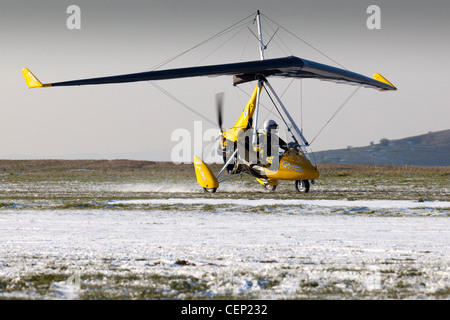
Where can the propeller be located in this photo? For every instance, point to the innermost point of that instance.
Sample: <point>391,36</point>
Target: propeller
<point>219,109</point>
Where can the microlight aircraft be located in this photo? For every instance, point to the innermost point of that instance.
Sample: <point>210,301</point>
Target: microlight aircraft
<point>245,148</point>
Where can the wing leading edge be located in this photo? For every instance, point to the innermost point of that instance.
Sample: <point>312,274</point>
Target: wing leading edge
<point>288,67</point>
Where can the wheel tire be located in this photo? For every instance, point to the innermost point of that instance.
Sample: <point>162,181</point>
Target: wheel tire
<point>210,190</point>
<point>268,187</point>
<point>302,186</point>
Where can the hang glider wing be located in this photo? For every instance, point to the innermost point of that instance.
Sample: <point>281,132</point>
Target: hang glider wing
<point>288,67</point>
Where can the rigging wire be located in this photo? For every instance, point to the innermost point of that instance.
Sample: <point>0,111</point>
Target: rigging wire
<point>262,105</point>
<point>222,44</point>
<point>308,44</point>
<point>245,47</point>
<point>267,44</point>
<point>201,43</point>
<point>337,111</point>
<point>184,105</point>
<point>270,111</point>
<point>282,118</point>
<point>224,31</point>
<point>242,25</point>
<point>301,104</point>
<point>279,46</point>
<point>292,80</point>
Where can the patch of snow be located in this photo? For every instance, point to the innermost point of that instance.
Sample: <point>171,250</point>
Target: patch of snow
<point>268,256</point>
<point>373,204</point>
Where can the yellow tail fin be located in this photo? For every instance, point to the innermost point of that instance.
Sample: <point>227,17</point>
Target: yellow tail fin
<point>32,81</point>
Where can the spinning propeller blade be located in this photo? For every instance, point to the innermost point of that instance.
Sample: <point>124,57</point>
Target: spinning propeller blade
<point>219,105</point>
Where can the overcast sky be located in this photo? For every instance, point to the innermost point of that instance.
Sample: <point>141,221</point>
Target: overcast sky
<point>136,120</point>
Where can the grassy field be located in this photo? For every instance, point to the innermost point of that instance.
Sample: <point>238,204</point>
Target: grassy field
<point>83,183</point>
<point>61,218</point>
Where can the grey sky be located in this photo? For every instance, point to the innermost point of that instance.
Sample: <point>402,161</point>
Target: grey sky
<point>136,120</point>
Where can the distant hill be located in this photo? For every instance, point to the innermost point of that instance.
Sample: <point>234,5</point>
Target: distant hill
<point>431,149</point>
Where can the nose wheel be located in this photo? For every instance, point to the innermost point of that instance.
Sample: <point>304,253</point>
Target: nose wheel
<point>302,186</point>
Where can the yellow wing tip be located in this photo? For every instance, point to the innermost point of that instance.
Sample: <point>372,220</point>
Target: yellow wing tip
<point>380,78</point>
<point>32,81</point>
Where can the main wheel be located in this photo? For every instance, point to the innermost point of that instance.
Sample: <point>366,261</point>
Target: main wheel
<point>210,190</point>
<point>268,187</point>
<point>302,186</point>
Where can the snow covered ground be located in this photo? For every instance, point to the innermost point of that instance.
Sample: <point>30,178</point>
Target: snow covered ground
<point>213,248</point>
<point>405,205</point>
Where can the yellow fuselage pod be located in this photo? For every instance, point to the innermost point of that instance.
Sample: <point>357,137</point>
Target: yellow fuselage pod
<point>242,122</point>
<point>293,166</point>
<point>205,177</point>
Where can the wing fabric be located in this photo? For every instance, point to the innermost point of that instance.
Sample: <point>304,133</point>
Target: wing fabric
<point>242,72</point>
<point>320,71</point>
<point>266,68</point>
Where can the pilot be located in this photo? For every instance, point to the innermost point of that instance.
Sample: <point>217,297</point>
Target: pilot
<point>269,136</point>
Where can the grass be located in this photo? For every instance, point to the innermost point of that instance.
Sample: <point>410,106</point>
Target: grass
<point>398,278</point>
<point>112,170</point>
<point>68,184</point>
<point>89,184</point>
<point>112,287</point>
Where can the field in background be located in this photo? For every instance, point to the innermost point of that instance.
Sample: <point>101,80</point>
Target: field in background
<point>83,182</point>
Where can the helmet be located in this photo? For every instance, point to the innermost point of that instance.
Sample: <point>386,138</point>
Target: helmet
<point>270,125</point>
